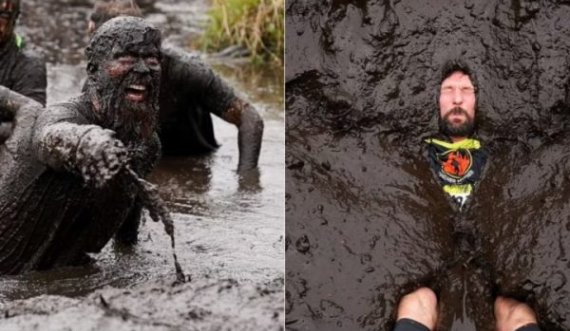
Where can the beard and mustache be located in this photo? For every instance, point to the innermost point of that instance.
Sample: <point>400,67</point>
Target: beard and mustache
<point>465,129</point>
<point>132,121</point>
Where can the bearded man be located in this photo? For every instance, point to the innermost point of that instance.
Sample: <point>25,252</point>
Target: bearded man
<point>64,188</point>
<point>458,160</point>
<point>456,156</point>
<point>190,93</point>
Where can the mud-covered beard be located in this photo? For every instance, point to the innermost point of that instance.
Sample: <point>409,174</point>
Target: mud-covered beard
<point>464,129</point>
<point>132,121</point>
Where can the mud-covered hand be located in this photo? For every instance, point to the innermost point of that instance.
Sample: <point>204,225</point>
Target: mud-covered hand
<point>100,156</point>
<point>89,150</point>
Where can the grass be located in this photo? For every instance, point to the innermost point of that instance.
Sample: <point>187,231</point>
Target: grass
<point>257,25</point>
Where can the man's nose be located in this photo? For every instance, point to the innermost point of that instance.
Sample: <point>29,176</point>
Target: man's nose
<point>457,97</point>
<point>141,67</point>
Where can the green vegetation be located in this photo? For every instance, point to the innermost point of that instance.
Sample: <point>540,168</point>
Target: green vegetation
<point>257,25</point>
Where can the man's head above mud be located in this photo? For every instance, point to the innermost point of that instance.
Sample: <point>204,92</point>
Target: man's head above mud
<point>9,12</point>
<point>123,74</point>
<point>457,100</point>
<point>104,11</point>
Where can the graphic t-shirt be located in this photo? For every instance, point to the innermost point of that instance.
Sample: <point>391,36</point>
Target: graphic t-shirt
<point>458,166</point>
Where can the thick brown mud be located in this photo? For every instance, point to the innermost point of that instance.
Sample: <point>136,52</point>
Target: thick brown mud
<point>366,220</point>
<point>228,229</point>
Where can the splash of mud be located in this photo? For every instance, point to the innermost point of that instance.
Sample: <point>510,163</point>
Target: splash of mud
<point>158,213</point>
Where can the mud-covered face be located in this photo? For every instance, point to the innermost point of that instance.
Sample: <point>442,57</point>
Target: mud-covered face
<point>457,104</point>
<point>124,76</point>
<point>135,72</point>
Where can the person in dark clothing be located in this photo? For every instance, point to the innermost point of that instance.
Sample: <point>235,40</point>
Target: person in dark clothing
<point>190,92</point>
<point>66,186</point>
<point>20,70</point>
<point>456,156</point>
<point>417,311</point>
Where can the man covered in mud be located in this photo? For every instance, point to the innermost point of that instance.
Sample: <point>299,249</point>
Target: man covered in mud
<point>190,92</point>
<point>455,155</point>
<point>66,185</point>
<point>20,70</point>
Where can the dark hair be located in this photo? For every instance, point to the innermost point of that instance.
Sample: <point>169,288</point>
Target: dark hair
<point>118,31</point>
<point>453,65</point>
<point>104,11</point>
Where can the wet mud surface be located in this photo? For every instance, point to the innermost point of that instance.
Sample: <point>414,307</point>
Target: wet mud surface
<point>228,229</point>
<point>366,220</point>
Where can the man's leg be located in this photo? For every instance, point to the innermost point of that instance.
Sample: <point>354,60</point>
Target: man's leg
<point>512,315</point>
<point>417,311</point>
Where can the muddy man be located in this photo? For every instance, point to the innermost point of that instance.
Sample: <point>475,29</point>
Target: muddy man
<point>20,70</point>
<point>64,189</point>
<point>458,161</point>
<point>190,92</point>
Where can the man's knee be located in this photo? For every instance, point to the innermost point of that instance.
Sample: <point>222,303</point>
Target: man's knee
<point>513,315</point>
<point>419,306</point>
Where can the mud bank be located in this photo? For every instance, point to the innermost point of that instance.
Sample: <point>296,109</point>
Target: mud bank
<point>366,220</point>
<point>155,306</point>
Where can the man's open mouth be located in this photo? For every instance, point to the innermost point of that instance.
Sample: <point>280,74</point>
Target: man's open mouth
<point>136,92</point>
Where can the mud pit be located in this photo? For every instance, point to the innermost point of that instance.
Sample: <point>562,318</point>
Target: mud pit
<point>229,230</point>
<point>366,221</point>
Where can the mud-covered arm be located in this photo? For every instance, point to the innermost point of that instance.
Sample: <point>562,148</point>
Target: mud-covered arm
<point>16,109</point>
<point>250,132</point>
<point>31,79</point>
<point>64,141</point>
<point>11,102</point>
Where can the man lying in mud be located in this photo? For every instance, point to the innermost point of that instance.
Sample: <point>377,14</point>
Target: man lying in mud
<point>64,186</point>
<point>458,160</point>
<point>20,70</point>
<point>190,92</point>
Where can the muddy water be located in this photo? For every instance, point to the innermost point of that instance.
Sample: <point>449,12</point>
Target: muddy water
<point>366,220</point>
<point>229,230</point>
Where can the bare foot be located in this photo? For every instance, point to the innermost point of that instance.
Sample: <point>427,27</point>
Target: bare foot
<point>420,306</point>
<point>512,314</point>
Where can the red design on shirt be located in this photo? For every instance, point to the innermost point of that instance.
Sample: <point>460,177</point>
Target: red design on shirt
<point>457,164</point>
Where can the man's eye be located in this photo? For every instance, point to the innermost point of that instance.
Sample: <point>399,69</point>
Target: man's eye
<point>152,61</point>
<point>126,60</point>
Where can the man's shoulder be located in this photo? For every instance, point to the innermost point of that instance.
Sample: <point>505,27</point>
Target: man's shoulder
<point>175,57</point>
<point>185,73</point>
